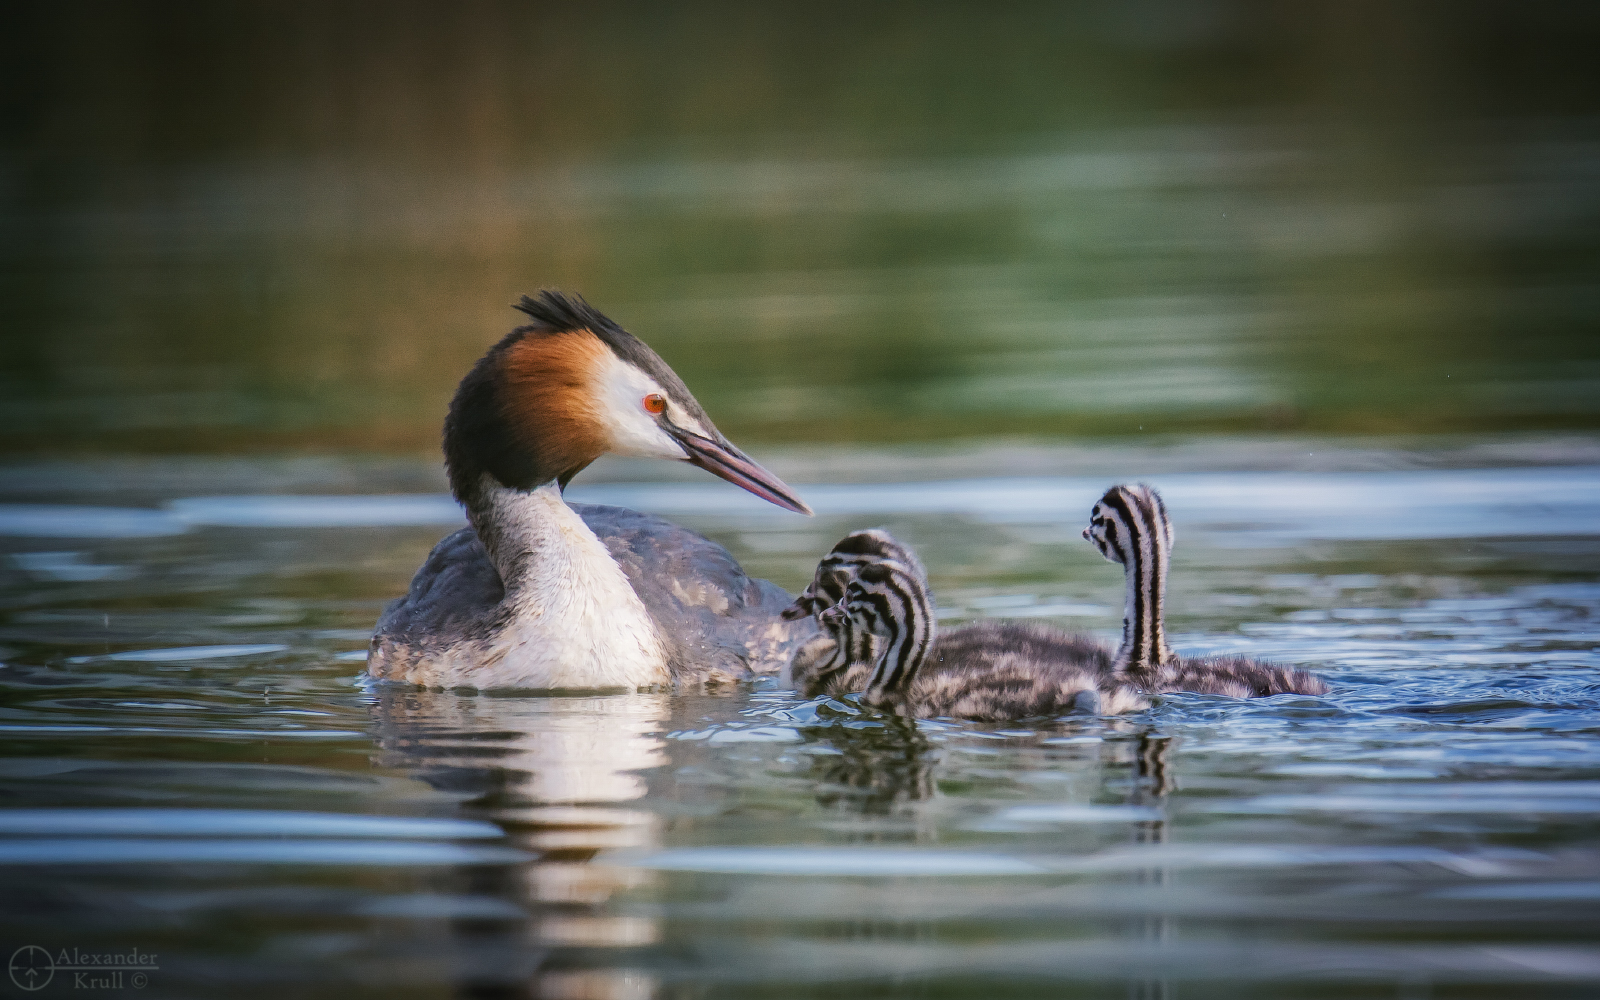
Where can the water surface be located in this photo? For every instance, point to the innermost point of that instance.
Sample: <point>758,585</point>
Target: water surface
<point>193,765</point>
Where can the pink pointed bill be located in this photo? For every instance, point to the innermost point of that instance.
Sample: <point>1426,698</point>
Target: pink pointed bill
<point>727,462</point>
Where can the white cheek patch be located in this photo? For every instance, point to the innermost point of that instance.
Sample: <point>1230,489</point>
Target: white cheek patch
<point>676,414</point>
<point>631,429</point>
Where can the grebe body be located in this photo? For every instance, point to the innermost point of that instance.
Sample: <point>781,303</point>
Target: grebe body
<point>987,671</point>
<point>541,594</point>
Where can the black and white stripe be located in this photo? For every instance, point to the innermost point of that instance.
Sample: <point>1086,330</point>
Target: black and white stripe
<point>851,646</point>
<point>891,600</point>
<point>1129,525</point>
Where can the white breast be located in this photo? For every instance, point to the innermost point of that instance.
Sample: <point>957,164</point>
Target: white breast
<point>573,621</point>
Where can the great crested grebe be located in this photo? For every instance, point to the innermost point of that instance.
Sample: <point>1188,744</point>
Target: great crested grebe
<point>829,662</point>
<point>1129,525</point>
<point>994,670</point>
<point>541,594</point>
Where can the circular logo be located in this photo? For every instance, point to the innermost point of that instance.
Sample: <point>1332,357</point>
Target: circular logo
<point>32,968</point>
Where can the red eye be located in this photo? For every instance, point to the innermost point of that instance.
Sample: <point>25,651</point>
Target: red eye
<point>655,403</point>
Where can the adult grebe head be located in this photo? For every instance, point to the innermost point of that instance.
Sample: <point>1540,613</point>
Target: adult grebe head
<point>570,386</point>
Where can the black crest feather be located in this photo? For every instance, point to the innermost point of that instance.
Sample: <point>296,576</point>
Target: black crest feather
<point>553,312</point>
<point>477,437</point>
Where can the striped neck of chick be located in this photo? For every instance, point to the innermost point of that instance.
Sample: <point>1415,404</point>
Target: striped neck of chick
<point>892,601</point>
<point>850,647</point>
<point>1129,525</point>
<point>840,566</point>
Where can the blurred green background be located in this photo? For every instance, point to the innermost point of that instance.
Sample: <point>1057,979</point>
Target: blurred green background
<point>266,226</point>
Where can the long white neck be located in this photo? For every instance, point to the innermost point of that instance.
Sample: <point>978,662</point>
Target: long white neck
<point>571,619</point>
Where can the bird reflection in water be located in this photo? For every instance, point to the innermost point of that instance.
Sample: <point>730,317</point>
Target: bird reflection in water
<point>878,771</point>
<point>1153,779</point>
<point>557,774</point>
